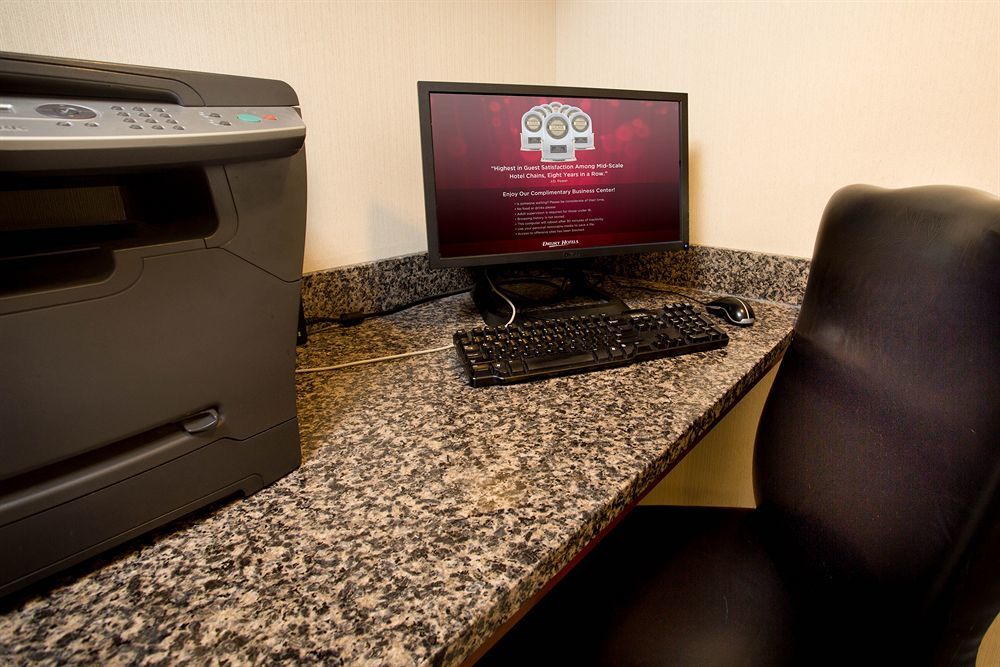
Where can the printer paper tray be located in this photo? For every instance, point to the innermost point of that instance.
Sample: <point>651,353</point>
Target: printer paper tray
<point>71,531</point>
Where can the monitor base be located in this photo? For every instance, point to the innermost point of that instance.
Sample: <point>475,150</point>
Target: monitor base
<point>539,295</point>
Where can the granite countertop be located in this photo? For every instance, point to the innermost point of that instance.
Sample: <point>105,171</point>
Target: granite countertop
<point>424,514</point>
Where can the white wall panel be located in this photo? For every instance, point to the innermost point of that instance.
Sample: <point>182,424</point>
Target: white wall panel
<point>791,101</point>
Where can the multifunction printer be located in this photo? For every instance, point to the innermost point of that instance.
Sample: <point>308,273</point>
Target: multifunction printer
<point>152,224</point>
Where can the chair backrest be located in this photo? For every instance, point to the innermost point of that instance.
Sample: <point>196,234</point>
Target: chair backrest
<point>877,460</point>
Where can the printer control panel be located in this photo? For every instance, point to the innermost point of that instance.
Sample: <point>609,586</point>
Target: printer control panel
<point>100,118</point>
<point>32,126</point>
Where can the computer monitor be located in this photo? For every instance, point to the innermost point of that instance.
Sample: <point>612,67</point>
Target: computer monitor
<point>546,176</point>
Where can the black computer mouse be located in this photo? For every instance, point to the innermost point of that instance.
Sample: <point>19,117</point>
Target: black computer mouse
<point>732,309</point>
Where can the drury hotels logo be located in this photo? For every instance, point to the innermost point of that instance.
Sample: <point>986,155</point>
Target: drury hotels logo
<point>560,243</point>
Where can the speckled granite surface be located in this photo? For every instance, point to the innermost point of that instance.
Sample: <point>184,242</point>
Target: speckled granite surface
<point>376,286</point>
<point>752,274</point>
<point>424,514</point>
<point>380,285</point>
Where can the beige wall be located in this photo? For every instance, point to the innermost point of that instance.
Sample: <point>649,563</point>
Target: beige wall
<point>718,472</point>
<point>788,101</point>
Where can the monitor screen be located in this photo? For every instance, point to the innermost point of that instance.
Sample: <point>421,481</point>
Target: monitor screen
<point>528,173</point>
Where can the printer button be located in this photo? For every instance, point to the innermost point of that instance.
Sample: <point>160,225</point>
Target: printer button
<point>248,117</point>
<point>67,111</point>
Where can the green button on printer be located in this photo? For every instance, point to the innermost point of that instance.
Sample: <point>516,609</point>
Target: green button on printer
<point>248,117</point>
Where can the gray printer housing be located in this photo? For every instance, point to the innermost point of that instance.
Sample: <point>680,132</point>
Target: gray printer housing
<point>149,296</point>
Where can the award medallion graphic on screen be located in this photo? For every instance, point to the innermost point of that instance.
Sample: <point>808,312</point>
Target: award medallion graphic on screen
<point>558,130</point>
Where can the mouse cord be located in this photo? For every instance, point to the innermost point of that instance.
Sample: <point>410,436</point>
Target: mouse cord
<point>372,361</point>
<point>655,289</point>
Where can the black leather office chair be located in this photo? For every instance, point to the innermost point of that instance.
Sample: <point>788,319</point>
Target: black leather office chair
<point>876,539</point>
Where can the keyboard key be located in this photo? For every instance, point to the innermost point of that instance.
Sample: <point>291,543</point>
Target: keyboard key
<point>563,359</point>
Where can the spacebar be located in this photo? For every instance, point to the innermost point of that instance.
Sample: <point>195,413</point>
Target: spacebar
<point>561,360</point>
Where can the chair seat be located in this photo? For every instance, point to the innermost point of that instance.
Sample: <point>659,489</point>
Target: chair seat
<point>697,586</point>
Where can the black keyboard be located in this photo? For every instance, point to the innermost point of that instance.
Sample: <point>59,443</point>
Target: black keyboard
<point>542,349</point>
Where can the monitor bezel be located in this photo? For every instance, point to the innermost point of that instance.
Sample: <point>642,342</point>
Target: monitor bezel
<point>426,88</point>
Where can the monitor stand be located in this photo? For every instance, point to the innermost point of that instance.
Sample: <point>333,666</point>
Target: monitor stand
<point>540,294</point>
